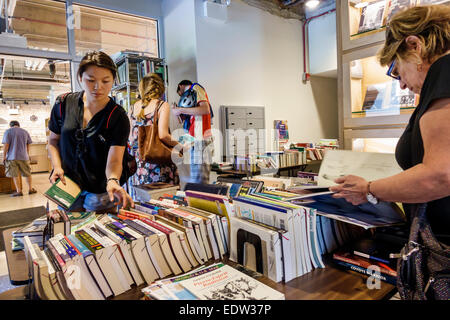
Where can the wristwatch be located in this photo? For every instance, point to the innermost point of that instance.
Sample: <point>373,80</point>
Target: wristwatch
<point>370,197</point>
<point>113,179</point>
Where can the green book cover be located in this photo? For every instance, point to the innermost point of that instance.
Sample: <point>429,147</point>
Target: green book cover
<point>63,195</point>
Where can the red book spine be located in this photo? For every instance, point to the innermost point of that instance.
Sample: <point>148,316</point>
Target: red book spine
<point>362,263</point>
<point>157,226</point>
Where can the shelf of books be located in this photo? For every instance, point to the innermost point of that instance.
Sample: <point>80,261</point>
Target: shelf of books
<point>371,97</point>
<point>365,20</point>
<point>131,68</point>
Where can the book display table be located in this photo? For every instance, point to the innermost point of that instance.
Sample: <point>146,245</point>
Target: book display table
<point>329,283</point>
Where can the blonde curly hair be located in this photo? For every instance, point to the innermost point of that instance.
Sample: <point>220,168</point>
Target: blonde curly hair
<point>431,24</point>
<point>151,87</point>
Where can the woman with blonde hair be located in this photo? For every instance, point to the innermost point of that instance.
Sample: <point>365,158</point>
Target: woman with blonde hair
<point>417,51</point>
<point>151,90</point>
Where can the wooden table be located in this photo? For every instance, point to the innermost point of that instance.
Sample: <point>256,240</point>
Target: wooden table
<point>329,283</point>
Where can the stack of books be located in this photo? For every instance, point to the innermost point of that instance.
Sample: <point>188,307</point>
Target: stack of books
<point>370,256</point>
<point>64,222</point>
<point>34,231</point>
<point>112,253</point>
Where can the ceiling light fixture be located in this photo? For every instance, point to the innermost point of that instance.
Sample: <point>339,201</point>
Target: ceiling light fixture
<point>312,3</point>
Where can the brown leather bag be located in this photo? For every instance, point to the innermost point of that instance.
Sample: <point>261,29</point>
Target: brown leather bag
<point>151,148</point>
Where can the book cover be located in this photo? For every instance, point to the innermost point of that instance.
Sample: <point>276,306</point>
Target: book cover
<point>396,6</point>
<point>401,98</point>
<point>227,283</point>
<point>375,96</point>
<point>63,194</point>
<point>348,257</point>
<point>382,276</point>
<point>372,16</point>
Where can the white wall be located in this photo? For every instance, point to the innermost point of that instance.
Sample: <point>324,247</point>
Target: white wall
<point>322,45</point>
<point>180,45</point>
<point>255,59</point>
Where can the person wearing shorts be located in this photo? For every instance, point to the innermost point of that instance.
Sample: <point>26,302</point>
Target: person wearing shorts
<point>16,157</point>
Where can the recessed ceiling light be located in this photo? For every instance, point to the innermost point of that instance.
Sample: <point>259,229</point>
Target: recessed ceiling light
<point>312,3</point>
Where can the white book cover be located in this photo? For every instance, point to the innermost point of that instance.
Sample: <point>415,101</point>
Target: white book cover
<point>156,291</point>
<point>44,276</point>
<point>188,255</point>
<point>299,222</point>
<point>87,282</point>
<point>278,219</point>
<point>207,233</point>
<point>167,250</point>
<point>199,234</point>
<point>193,241</point>
<point>228,283</point>
<point>115,258</point>
<point>140,254</point>
<point>269,243</point>
<point>222,234</point>
<point>125,249</point>
<point>150,249</point>
<point>315,251</point>
<point>67,265</point>
<point>119,254</point>
<point>53,278</point>
<point>158,250</point>
<point>369,165</point>
<point>304,233</point>
<point>192,222</point>
<point>71,268</point>
<point>108,263</point>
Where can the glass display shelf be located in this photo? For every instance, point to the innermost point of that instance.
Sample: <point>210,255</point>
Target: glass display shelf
<point>376,94</point>
<point>370,96</point>
<point>373,140</point>
<point>382,145</point>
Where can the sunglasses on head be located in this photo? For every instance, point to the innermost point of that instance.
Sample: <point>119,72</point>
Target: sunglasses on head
<point>390,71</point>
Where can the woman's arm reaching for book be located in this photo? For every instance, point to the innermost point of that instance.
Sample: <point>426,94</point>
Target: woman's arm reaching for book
<point>55,157</point>
<point>427,181</point>
<point>113,172</point>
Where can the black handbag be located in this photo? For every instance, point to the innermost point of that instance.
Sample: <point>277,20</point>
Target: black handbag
<point>424,265</point>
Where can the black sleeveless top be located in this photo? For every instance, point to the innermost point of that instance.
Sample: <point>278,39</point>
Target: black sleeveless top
<point>410,150</point>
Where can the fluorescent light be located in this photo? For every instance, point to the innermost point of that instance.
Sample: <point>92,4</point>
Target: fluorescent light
<point>312,3</point>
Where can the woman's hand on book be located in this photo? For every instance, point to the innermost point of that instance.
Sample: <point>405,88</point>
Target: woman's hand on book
<point>58,173</point>
<point>351,188</point>
<point>115,191</point>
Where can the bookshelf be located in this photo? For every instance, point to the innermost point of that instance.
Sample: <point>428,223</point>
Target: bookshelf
<point>131,67</point>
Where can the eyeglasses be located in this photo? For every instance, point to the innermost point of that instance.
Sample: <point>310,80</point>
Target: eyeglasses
<point>391,73</point>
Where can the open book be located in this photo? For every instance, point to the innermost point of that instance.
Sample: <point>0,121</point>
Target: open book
<point>63,194</point>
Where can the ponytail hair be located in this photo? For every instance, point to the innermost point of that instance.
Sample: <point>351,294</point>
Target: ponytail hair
<point>151,87</point>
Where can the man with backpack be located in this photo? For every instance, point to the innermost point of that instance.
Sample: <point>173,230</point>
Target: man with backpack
<point>195,110</point>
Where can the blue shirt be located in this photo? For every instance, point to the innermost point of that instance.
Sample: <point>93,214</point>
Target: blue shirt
<point>18,139</point>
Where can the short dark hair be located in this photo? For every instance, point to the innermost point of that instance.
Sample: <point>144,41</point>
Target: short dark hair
<point>14,123</point>
<point>184,83</point>
<point>99,59</point>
